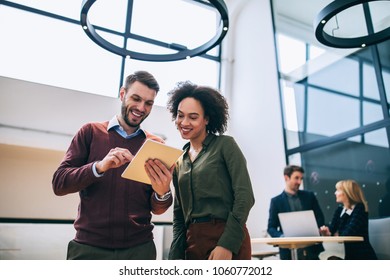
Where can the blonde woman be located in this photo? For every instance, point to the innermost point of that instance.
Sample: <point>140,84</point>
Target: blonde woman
<point>351,219</point>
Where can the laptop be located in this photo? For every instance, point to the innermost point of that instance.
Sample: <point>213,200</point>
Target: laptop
<point>299,223</point>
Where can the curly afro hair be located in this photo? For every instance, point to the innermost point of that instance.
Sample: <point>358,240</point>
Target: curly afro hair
<point>214,104</point>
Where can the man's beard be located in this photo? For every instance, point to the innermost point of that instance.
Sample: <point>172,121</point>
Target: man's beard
<point>125,117</point>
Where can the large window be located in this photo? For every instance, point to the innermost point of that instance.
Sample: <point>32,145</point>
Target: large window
<point>43,42</point>
<point>335,105</point>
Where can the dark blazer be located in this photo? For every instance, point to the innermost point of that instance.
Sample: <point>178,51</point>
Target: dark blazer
<point>355,224</point>
<point>279,204</point>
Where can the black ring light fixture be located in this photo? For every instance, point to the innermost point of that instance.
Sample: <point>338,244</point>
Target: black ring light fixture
<point>332,10</point>
<point>183,53</point>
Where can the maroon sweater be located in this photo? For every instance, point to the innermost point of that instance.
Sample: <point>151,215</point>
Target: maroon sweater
<point>113,212</point>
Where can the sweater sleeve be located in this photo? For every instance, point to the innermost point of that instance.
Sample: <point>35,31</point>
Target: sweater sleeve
<point>75,172</point>
<point>159,207</point>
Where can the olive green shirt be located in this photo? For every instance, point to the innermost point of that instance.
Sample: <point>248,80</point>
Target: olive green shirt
<point>216,184</point>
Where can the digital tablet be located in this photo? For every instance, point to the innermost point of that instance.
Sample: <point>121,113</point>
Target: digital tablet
<point>150,150</point>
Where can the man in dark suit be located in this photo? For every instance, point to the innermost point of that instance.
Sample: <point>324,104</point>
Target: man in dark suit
<point>294,199</point>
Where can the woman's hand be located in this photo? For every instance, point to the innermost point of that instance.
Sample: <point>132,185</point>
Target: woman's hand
<point>159,175</point>
<point>324,231</point>
<point>220,253</point>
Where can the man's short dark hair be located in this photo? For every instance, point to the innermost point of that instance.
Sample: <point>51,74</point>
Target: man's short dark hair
<point>143,77</point>
<point>290,169</point>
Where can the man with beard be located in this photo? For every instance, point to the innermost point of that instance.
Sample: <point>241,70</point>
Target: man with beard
<point>294,199</point>
<point>114,214</point>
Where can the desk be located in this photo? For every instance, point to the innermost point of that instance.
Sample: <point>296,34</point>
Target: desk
<point>264,254</point>
<point>294,243</point>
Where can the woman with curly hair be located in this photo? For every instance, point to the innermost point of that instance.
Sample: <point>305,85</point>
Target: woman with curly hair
<point>351,219</point>
<point>213,191</point>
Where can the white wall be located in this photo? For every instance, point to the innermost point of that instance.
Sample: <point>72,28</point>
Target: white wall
<point>252,88</point>
<point>41,116</point>
<point>50,241</point>
<point>44,119</point>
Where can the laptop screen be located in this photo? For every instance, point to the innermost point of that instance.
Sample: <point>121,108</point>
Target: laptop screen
<point>299,223</point>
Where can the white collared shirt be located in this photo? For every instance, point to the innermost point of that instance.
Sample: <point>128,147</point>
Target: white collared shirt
<point>347,211</point>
